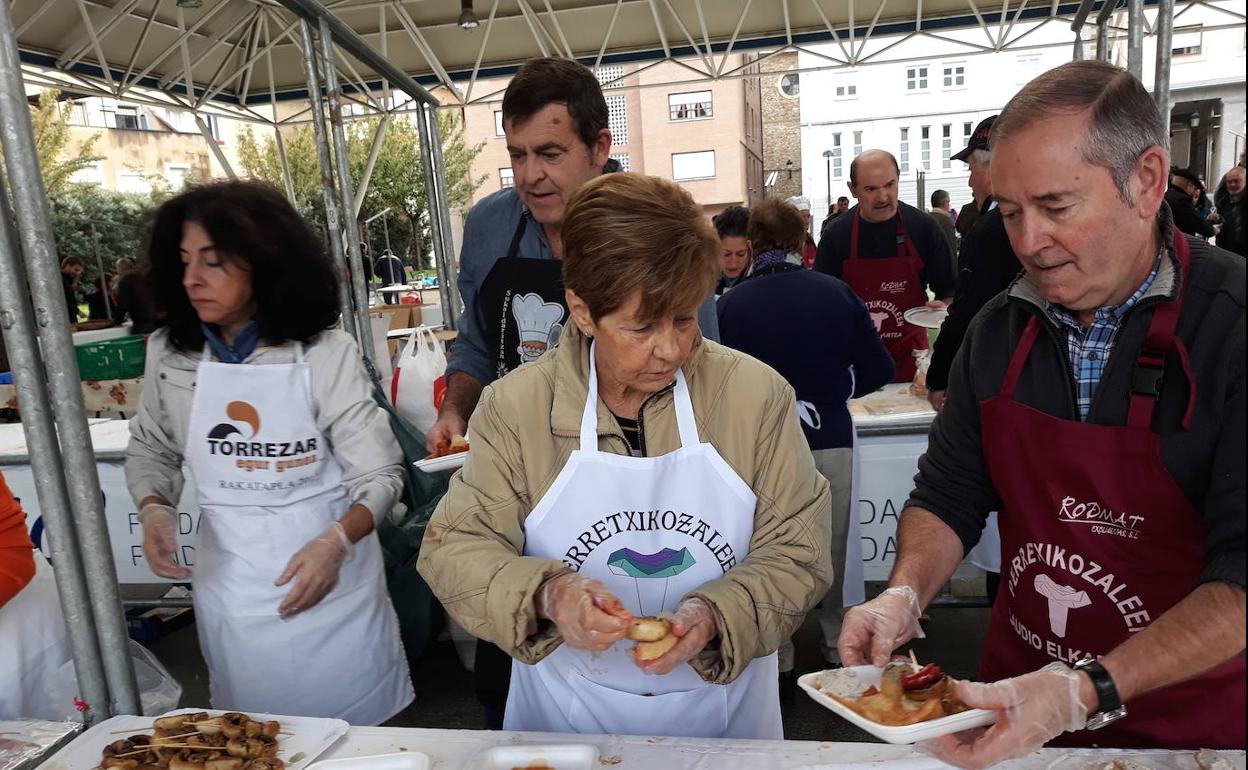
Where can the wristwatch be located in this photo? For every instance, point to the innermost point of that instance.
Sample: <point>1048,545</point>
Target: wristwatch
<point>1109,706</point>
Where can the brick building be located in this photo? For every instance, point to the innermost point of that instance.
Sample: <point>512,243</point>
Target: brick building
<point>780,87</point>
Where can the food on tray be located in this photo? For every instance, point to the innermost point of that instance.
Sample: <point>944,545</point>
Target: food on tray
<point>653,635</point>
<point>908,694</point>
<point>195,741</point>
<point>456,445</point>
<point>1208,759</point>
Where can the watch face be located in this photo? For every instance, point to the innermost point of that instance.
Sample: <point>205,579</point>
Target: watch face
<point>1100,719</point>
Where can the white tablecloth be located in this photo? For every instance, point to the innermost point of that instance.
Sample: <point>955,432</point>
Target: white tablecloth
<point>456,749</point>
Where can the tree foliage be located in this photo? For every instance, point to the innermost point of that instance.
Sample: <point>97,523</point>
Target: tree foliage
<point>397,182</point>
<point>88,220</point>
<point>50,120</point>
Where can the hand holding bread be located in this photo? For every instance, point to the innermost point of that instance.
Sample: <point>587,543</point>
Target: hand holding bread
<point>685,635</point>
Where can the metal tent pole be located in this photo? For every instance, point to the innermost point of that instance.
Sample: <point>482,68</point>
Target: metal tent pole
<point>439,216</point>
<point>1103,17</point>
<point>99,262</point>
<point>1164,27</point>
<point>330,193</point>
<point>18,326</point>
<point>1135,38</point>
<point>351,226</point>
<point>56,343</point>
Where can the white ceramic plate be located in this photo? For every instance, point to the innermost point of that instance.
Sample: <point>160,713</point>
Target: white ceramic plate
<point>308,738</point>
<point>572,756</point>
<point>447,463</point>
<point>933,728</point>
<point>927,317</point>
<point>404,760</point>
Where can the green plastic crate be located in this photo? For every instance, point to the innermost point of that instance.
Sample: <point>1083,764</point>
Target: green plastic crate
<point>116,359</point>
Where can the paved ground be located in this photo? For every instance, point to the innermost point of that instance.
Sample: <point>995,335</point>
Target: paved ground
<point>444,688</point>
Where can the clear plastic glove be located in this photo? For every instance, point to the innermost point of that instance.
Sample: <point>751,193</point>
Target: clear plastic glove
<point>694,622</point>
<point>160,541</point>
<point>1035,708</point>
<point>871,631</point>
<point>588,615</point>
<point>316,567</point>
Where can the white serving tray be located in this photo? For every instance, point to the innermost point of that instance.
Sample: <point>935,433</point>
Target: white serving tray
<point>447,463</point>
<point>309,738</point>
<point>571,756</point>
<point>927,317</point>
<point>933,728</point>
<point>404,760</point>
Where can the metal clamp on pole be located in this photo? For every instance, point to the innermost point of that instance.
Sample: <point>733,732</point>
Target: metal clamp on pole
<point>57,349</point>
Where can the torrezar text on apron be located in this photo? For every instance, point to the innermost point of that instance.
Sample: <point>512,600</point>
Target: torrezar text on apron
<point>520,306</point>
<point>268,483</point>
<point>1097,542</point>
<point>889,286</point>
<point>652,530</point>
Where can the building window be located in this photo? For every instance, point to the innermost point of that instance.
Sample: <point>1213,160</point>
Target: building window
<point>925,147</point>
<point>1187,41</point>
<point>498,123</point>
<point>904,162</point>
<point>946,146</point>
<point>610,77</point>
<point>836,155</point>
<point>1028,67</point>
<point>91,173</point>
<point>617,118</point>
<point>133,182</point>
<point>175,175</point>
<point>77,114</point>
<point>857,143</point>
<point>955,76</point>
<point>847,91</point>
<point>127,116</point>
<point>506,178</point>
<point>789,84</point>
<point>690,106</point>
<point>693,165</point>
<point>916,78</point>
<point>966,133</point>
<point>622,159</point>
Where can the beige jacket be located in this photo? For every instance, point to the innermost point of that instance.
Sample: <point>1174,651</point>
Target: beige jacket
<point>357,429</point>
<point>523,431</point>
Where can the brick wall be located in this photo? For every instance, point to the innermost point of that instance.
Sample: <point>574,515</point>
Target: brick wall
<point>782,136</point>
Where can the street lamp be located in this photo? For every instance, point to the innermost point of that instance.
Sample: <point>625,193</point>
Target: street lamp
<point>827,158</point>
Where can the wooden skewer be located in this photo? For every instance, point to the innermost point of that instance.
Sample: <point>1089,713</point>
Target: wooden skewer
<point>163,746</point>
<point>914,662</point>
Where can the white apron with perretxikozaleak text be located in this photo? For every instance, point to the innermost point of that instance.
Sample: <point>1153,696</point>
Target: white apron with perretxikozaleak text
<point>652,529</point>
<point>268,483</point>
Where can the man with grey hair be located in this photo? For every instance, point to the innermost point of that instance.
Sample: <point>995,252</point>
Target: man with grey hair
<point>1099,405</point>
<point>943,217</point>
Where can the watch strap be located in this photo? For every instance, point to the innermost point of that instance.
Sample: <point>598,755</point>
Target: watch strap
<point>1109,706</point>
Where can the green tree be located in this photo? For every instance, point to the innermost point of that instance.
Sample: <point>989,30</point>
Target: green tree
<point>88,220</point>
<point>397,183</point>
<point>50,120</point>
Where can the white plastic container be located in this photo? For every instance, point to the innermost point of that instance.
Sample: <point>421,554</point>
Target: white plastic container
<point>572,756</point>
<point>404,760</point>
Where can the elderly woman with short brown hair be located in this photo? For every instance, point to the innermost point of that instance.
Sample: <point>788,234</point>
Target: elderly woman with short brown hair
<point>636,469</point>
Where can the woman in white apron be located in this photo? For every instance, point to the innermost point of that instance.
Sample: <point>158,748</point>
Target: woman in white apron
<point>293,463</point>
<point>635,470</point>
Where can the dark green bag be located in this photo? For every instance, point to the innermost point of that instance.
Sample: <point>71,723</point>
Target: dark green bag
<point>420,614</point>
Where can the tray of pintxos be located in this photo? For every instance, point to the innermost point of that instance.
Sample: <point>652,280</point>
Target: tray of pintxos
<point>194,739</point>
<point>901,703</point>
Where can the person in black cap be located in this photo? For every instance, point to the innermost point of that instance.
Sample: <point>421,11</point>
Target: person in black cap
<point>1185,185</point>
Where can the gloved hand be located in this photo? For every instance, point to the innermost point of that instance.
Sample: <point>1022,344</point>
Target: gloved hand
<point>1035,708</point>
<point>871,631</point>
<point>588,615</point>
<point>160,541</point>
<point>316,566</point>
<point>694,622</point>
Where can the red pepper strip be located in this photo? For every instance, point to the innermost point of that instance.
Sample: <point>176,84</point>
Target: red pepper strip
<point>921,679</point>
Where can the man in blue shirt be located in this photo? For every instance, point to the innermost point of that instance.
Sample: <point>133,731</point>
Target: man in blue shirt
<point>555,121</point>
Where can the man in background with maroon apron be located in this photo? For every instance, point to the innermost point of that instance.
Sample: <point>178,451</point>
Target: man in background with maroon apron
<point>1099,405</point>
<point>890,254</point>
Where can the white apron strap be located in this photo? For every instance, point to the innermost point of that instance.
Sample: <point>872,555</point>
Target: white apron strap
<point>206,357</point>
<point>589,418</point>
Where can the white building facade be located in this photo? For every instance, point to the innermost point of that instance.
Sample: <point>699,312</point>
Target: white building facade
<point>924,104</point>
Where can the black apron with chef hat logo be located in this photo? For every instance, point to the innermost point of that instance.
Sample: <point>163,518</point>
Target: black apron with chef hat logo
<point>521,307</point>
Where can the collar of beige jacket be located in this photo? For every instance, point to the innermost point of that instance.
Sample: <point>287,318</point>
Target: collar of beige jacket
<point>571,384</point>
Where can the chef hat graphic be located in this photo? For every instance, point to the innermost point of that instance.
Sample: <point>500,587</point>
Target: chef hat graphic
<point>535,317</point>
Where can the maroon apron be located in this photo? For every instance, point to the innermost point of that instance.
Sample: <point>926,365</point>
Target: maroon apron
<point>889,287</point>
<point>1097,541</point>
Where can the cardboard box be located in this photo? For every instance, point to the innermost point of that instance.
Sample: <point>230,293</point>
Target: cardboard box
<point>401,316</point>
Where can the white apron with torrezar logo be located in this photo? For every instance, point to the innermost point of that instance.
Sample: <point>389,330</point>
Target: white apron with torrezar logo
<point>652,530</point>
<point>268,483</point>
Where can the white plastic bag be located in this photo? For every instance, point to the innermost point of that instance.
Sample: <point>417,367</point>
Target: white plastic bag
<point>416,374</point>
<point>158,690</point>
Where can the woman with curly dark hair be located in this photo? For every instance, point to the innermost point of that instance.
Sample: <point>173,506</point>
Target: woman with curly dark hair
<point>269,407</point>
<point>734,247</point>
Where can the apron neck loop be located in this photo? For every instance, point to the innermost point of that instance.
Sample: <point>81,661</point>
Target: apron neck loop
<point>206,356</point>
<point>1021,351</point>
<point>298,352</point>
<point>685,421</point>
<point>1150,366</point>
